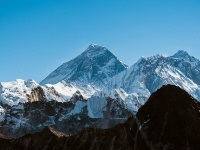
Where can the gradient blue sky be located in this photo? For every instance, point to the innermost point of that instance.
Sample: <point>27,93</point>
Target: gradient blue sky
<point>36,36</point>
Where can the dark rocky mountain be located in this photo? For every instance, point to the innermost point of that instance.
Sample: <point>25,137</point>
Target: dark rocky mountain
<point>95,65</point>
<point>170,120</point>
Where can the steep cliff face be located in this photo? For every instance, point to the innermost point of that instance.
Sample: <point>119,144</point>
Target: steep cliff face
<point>76,97</point>
<point>37,94</point>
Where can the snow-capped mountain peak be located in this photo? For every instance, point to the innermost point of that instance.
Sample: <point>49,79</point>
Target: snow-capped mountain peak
<point>181,54</point>
<point>16,91</point>
<point>95,47</point>
<point>150,73</point>
<point>89,71</point>
<point>95,66</point>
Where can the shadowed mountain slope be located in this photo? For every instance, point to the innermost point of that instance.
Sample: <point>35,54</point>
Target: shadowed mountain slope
<point>169,120</point>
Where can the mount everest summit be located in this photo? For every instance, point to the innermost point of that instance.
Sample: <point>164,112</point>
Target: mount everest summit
<point>93,87</point>
<point>96,65</point>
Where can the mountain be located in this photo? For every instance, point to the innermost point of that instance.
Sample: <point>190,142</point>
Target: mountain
<point>14,92</point>
<point>21,91</point>
<point>89,71</point>
<point>131,102</point>
<point>169,120</point>
<point>22,100</point>
<point>189,65</point>
<point>137,82</point>
<point>151,73</point>
<point>68,117</point>
<point>95,65</point>
<point>97,89</point>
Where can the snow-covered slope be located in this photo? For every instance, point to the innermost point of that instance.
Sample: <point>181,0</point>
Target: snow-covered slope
<point>131,102</point>
<point>67,89</point>
<point>149,74</point>
<point>21,91</point>
<point>88,72</point>
<point>95,65</point>
<point>16,92</point>
<point>189,65</point>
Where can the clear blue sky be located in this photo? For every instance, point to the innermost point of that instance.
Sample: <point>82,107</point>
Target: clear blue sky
<point>36,36</point>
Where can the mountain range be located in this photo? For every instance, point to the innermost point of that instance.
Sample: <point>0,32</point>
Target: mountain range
<point>169,120</point>
<point>95,89</point>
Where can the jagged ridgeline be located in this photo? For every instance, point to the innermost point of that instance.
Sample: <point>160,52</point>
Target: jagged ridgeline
<point>170,120</point>
<point>94,90</point>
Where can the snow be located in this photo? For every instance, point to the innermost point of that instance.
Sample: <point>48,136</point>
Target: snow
<point>132,101</point>
<point>15,92</point>
<point>19,106</point>
<point>93,47</point>
<point>96,106</point>
<point>180,54</point>
<point>78,108</point>
<point>67,91</point>
<point>88,72</point>
<point>2,113</point>
<point>150,73</point>
<point>50,95</point>
<point>98,74</point>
